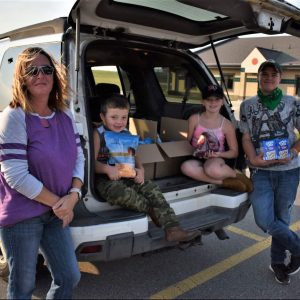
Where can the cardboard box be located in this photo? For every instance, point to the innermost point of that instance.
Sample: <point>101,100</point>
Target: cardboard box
<point>175,147</point>
<point>173,129</point>
<point>148,155</point>
<point>143,128</point>
<point>174,154</point>
<point>162,159</point>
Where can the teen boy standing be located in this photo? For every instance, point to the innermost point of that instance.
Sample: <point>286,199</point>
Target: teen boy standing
<point>271,116</point>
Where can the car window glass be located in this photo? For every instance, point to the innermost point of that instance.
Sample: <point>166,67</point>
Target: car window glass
<point>8,65</point>
<point>106,74</point>
<point>127,86</point>
<point>177,8</point>
<point>177,85</point>
<point>113,75</point>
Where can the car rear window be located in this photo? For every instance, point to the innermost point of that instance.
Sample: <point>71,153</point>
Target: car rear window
<point>174,85</point>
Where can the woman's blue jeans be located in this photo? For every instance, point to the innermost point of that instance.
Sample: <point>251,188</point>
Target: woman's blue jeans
<point>22,242</point>
<point>272,200</point>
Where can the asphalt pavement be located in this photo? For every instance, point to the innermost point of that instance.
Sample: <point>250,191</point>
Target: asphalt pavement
<point>236,268</point>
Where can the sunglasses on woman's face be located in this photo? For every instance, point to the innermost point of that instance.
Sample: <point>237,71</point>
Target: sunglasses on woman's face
<point>35,70</point>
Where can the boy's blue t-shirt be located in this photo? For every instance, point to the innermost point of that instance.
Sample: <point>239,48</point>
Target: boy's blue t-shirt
<point>103,154</point>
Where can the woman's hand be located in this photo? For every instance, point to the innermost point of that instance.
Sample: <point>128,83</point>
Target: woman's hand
<point>140,176</point>
<point>63,209</point>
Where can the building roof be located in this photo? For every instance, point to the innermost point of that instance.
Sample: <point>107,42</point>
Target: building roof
<point>279,56</point>
<point>231,53</point>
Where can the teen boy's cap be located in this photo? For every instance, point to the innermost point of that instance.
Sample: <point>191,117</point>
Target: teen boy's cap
<point>212,91</point>
<point>270,63</point>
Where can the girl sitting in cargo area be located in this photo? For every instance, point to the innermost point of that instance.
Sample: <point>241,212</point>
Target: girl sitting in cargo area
<point>131,190</point>
<point>207,133</point>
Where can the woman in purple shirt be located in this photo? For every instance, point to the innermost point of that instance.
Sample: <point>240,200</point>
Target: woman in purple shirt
<point>42,170</point>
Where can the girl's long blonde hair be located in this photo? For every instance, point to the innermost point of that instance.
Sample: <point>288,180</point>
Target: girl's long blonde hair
<point>59,93</point>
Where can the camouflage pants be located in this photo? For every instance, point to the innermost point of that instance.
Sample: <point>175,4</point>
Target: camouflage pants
<point>126,193</point>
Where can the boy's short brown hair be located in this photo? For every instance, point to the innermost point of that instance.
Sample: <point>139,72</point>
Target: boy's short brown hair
<point>115,101</point>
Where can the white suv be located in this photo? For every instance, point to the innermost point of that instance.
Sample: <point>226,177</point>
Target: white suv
<point>141,49</point>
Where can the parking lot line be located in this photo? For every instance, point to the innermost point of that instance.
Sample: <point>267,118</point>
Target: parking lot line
<point>198,279</point>
<point>245,233</point>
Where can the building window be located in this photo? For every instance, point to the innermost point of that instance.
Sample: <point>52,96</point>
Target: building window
<point>229,79</point>
<point>298,86</point>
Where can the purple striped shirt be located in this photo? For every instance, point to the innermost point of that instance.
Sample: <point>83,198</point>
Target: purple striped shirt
<point>50,154</point>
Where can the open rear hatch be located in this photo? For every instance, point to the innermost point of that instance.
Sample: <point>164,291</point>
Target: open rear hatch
<point>184,23</point>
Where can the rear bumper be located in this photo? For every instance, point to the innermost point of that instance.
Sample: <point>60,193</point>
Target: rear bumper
<point>124,239</point>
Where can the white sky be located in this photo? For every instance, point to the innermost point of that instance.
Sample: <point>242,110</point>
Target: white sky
<point>17,13</point>
<point>295,2</point>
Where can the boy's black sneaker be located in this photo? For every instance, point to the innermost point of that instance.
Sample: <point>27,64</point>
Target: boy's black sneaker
<point>294,266</point>
<point>280,271</point>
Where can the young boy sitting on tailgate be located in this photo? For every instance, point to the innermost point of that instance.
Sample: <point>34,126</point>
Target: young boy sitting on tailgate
<point>131,191</point>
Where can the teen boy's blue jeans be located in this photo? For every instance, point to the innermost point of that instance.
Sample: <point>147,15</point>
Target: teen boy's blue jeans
<point>272,200</point>
<point>22,242</point>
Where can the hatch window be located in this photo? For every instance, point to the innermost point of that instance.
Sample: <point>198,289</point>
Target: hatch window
<point>176,8</point>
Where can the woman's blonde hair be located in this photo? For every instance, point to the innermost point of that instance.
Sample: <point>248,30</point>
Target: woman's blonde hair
<point>59,93</point>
